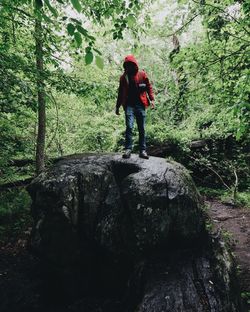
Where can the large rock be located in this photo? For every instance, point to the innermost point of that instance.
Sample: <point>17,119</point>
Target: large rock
<point>125,206</point>
<point>101,220</point>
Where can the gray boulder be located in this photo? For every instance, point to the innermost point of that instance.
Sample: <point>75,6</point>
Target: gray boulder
<point>132,230</point>
<point>125,206</point>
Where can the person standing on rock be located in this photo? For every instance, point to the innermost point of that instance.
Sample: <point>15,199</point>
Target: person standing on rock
<point>134,95</point>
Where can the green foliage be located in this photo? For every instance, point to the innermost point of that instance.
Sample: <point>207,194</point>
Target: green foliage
<point>246,295</point>
<point>78,39</point>
<point>202,88</point>
<point>51,8</point>
<point>14,213</point>
<point>242,197</point>
<point>99,62</point>
<point>71,29</point>
<point>228,237</point>
<point>210,192</point>
<point>76,4</point>
<point>209,226</point>
<point>131,20</point>
<point>89,58</point>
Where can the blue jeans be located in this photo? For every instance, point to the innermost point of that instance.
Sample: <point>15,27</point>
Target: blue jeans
<point>131,113</point>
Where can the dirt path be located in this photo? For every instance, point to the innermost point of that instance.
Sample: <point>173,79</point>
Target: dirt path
<point>234,223</point>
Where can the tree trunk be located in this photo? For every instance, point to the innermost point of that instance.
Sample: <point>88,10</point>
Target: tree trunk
<point>40,146</point>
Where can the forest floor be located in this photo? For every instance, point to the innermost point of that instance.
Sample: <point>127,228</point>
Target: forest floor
<point>234,224</point>
<point>21,285</point>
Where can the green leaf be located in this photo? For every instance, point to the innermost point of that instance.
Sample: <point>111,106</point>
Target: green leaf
<point>246,7</point>
<point>71,29</point>
<point>60,1</point>
<point>78,38</point>
<point>82,30</point>
<point>89,58</point>
<point>52,9</point>
<point>87,49</point>
<point>75,21</point>
<point>38,4</point>
<point>99,62</point>
<point>76,4</point>
<point>91,37</point>
<point>46,18</point>
<point>97,51</point>
<point>131,20</point>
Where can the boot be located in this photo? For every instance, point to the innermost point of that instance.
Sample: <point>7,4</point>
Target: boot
<point>143,154</point>
<point>127,153</point>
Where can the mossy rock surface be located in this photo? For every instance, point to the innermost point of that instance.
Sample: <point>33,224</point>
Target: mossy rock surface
<point>130,232</point>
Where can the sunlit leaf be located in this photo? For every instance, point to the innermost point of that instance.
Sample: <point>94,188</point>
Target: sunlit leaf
<point>131,20</point>
<point>99,62</point>
<point>76,4</point>
<point>46,18</point>
<point>52,9</point>
<point>78,38</point>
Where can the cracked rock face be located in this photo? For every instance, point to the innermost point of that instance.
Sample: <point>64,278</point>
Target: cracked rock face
<point>127,207</point>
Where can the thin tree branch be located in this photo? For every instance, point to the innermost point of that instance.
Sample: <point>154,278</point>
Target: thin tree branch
<point>21,11</point>
<point>226,13</point>
<point>214,171</point>
<point>183,26</point>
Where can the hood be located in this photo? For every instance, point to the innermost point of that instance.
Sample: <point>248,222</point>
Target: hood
<point>131,58</point>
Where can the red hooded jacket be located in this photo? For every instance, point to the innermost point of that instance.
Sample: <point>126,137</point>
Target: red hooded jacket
<point>140,77</point>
